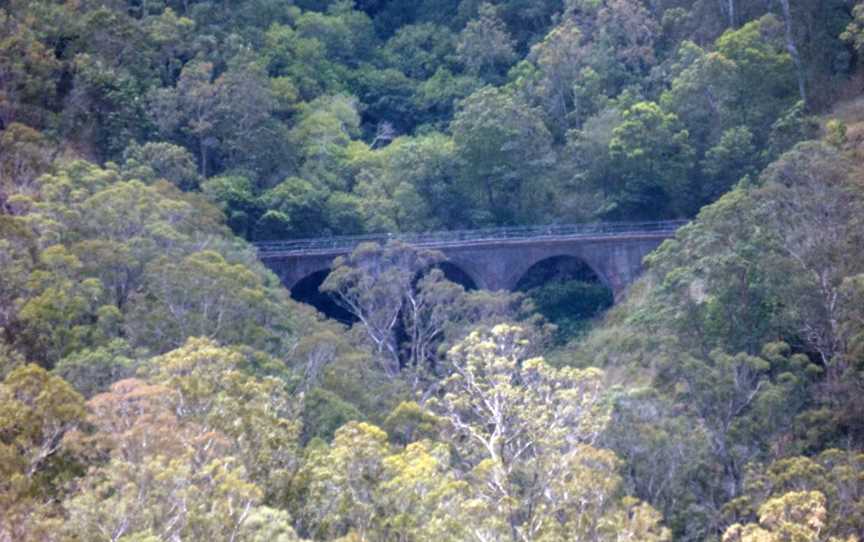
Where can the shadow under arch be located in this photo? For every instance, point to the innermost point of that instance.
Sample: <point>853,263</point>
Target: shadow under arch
<point>306,290</point>
<point>559,268</point>
<point>454,273</point>
<point>568,292</point>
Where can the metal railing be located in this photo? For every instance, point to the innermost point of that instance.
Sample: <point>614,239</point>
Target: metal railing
<point>458,237</point>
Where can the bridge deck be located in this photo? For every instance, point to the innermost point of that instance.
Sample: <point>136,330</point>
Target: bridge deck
<point>468,238</point>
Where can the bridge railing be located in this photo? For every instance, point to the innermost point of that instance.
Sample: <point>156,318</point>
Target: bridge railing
<point>447,238</point>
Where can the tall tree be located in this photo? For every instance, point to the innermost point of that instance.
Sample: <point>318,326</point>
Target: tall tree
<point>653,158</point>
<point>505,152</point>
<point>37,410</point>
<point>527,433</point>
<point>484,45</point>
<point>372,283</point>
<point>814,206</point>
<point>226,113</point>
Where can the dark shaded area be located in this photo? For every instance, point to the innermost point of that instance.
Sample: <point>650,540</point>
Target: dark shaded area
<point>324,412</point>
<point>307,291</point>
<point>558,269</point>
<point>454,273</point>
<point>390,15</point>
<point>568,293</point>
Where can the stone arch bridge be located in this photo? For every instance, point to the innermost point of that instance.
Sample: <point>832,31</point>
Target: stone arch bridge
<point>494,259</point>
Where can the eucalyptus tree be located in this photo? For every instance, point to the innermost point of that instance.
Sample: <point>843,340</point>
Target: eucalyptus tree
<point>527,436</point>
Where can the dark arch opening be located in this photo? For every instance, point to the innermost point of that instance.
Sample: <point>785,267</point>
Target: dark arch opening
<point>557,268</point>
<point>568,293</point>
<point>306,290</point>
<point>454,273</point>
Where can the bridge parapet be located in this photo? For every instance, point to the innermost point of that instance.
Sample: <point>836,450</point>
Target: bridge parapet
<point>346,243</point>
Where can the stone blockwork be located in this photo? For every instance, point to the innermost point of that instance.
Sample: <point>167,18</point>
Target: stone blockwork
<point>499,264</point>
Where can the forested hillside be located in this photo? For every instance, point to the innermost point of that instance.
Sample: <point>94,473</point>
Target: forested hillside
<point>158,383</point>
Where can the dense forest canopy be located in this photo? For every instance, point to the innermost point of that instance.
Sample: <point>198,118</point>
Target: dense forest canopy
<point>158,383</point>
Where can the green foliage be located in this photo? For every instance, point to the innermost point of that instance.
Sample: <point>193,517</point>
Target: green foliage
<point>526,431</point>
<point>733,158</point>
<point>409,423</point>
<point>26,155</point>
<point>58,315</point>
<point>36,410</point>
<point>126,254</point>
<point>484,46</point>
<point>224,117</point>
<point>571,305</point>
<point>205,295</point>
<point>505,187</point>
<point>757,265</point>
<point>92,371</point>
<point>155,161</point>
<point>253,113</point>
<point>652,159</point>
<point>854,33</point>
<point>814,498</point>
<point>420,50</point>
<point>324,412</point>
<point>157,468</point>
<point>257,415</point>
<point>136,136</point>
<point>235,195</point>
<point>27,63</point>
<point>323,133</point>
<point>295,209</point>
<point>272,91</point>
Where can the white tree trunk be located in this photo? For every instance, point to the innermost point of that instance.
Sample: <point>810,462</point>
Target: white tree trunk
<point>728,7</point>
<point>793,50</point>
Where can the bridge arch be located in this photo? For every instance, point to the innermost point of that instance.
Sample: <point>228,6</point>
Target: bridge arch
<point>454,273</point>
<point>312,278</point>
<point>514,264</point>
<point>304,285</point>
<point>464,271</point>
<point>568,292</point>
<point>560,267</point>
<point>306,290</point>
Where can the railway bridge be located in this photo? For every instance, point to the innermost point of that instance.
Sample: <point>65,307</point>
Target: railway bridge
<point>493,259</point>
